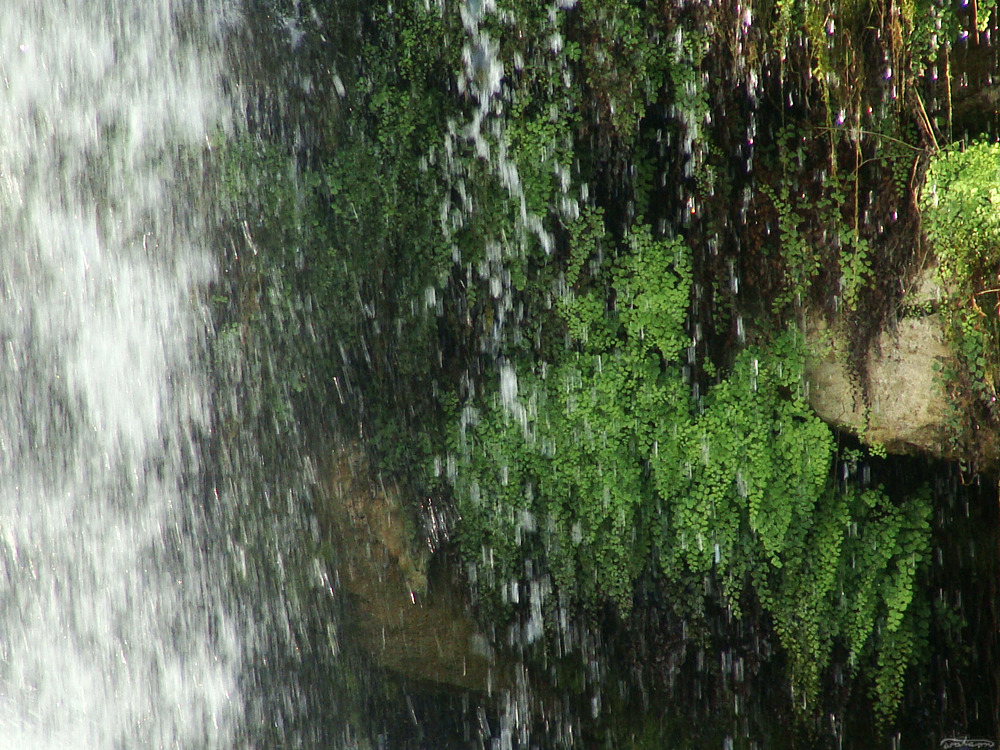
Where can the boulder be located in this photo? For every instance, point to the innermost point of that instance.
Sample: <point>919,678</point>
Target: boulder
<point>908,409</point>
<point>410,626</point>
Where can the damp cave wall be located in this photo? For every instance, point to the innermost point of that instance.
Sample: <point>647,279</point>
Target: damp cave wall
<point>770,153</point>
<point>786,144</point>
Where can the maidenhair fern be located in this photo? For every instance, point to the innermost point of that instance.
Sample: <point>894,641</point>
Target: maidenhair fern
<point>606,464</point>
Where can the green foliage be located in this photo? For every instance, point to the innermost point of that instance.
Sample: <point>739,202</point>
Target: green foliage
<point>961,205</point>
<point>580,429</point>
<point>961,213</point>
<point>553,378</point>
<point>745,470</point>
<point>652,284</point>
<point>800,255</point>
<point>598,463</point>
<point>931,25</point>
<point>800,258</point>
<point>690,93</point>
<point>856,589</point>
<point>855,268</point>
<point>623,60</point>
<point>335,225</point>
<point>262,193</point>
<point>821,227</point>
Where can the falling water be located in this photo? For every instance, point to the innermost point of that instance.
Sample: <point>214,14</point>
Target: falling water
<point>145,603</point>
<point>115,631</point>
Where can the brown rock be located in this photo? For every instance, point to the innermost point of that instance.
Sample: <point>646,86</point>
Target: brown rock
<point>420,631</point>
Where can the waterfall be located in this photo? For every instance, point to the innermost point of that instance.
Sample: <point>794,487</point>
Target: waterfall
<point>115,631</point>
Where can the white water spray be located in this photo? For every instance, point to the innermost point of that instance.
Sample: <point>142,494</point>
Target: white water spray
<point>113,632</point>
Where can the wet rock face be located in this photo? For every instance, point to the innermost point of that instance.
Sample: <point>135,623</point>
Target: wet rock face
<point>908,409</point>
<point>365,509</point>
<point>410,626</point>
